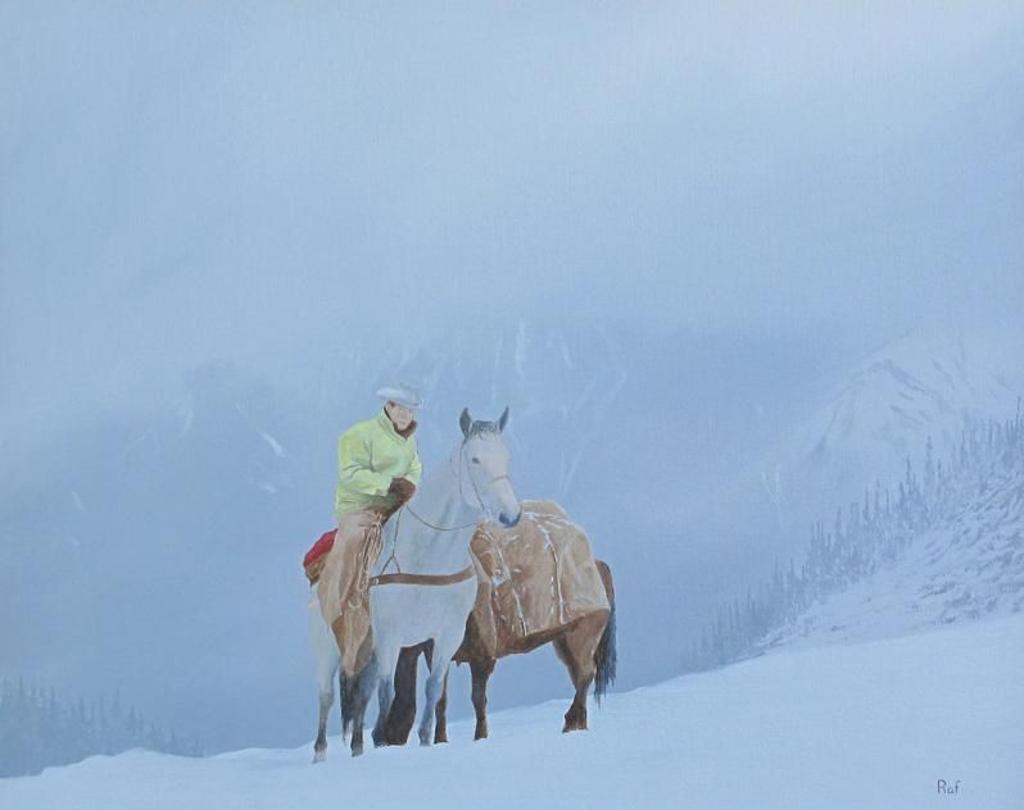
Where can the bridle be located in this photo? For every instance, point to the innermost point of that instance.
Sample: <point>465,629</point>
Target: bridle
<point>458,477</point>
<point>425,579</point>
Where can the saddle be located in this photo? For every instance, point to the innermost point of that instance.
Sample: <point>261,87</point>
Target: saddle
<point>313,561</point>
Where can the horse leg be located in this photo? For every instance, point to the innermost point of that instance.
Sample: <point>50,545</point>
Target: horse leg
<point>565,656</point>
<point>441,731</point>
<point>346,696</point>
<point>326,701</point>
<point>363,685</point>
<point>576,717</point>
<point>385,696</point>
<point>402,716</point>
<point>434,684</point>
<point>576,648</point>
<point>327,659</point>
<point>440,659</point>
<point>386,660</point>
<point>481,669</point>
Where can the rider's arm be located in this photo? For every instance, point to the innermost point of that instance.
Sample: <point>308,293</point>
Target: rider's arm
<point>354,467</point>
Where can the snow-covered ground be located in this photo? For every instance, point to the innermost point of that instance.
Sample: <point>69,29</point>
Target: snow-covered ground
<point>873,725</point>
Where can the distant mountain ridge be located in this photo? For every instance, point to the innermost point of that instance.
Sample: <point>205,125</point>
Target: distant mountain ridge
<point>945,545</point>
<point>870,418</point>
<point>923,384</point>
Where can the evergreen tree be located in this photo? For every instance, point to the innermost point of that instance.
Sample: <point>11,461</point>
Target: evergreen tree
<point>38,730</point>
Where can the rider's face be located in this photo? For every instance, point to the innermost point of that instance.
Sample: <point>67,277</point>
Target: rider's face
<point>400,415</point>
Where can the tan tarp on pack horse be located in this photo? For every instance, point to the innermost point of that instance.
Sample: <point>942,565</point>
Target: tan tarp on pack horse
<point>534,579</point>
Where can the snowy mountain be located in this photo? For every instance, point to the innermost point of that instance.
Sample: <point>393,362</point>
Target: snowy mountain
<point>919,721</point>
<point>944,544</point>
<point>872,417</point>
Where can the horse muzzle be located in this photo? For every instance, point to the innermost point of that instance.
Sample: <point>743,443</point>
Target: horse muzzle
<point>508,522</point>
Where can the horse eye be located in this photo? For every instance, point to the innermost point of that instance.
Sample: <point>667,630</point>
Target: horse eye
<point>475,460</point>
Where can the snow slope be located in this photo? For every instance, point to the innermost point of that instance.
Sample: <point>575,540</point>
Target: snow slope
<point>871,725</point>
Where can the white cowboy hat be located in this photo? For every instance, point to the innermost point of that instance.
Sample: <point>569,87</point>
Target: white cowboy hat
<point>402,394</point>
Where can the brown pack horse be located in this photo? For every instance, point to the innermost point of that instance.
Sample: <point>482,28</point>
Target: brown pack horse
<point>586,646</point>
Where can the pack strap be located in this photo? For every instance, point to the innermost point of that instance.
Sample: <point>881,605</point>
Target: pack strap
<point>424,579</point>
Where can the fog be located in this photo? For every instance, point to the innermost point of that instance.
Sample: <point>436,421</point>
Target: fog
<point>661,234</point>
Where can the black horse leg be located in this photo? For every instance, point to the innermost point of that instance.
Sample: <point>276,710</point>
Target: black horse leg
<point>441,714</point>
<point>403,709</point>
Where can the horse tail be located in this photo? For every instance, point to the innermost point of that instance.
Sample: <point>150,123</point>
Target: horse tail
<point>606,656</point>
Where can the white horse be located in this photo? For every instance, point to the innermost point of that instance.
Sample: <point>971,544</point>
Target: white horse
<point>423,585</point>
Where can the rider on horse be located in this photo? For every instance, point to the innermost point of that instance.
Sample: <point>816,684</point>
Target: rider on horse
<point>378,470</point>
<point>378,462</point>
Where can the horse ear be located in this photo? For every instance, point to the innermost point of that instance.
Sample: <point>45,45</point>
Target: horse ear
<point>503,419</point>
<point>465,422</point>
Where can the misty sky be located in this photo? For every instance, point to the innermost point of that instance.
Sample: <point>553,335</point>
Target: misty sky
<point>258,182</point>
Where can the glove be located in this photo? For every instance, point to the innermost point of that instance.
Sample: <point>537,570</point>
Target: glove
<point>402,489</point>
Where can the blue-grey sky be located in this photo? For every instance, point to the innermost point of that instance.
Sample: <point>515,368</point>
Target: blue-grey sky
<point>255,181</point>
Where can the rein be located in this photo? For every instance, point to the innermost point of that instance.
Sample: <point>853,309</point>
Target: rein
<point>476,492</point>
<point>432,526</point>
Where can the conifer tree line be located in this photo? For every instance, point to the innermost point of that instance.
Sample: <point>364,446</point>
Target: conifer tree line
<point>868,534</point>
<point>38,730</point>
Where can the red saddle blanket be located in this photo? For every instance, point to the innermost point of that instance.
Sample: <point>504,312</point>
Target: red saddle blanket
<point>313,562</point>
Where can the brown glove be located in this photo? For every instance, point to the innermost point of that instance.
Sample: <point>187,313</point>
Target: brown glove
<point>402,489</point>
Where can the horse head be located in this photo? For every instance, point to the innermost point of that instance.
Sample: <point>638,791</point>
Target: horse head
<point>485,459</point>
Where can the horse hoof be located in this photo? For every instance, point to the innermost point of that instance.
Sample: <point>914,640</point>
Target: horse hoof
<point>424,739</point>
<point>357,750</point>
<point>319,756</point>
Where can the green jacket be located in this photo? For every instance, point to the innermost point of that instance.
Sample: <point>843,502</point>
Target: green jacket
<point>370,454</point>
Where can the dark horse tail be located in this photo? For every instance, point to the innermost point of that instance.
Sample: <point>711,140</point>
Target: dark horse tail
<point>605,656</point>
<point>352,689</point>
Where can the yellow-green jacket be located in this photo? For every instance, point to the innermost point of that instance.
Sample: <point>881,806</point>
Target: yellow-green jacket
<point>370,454</point>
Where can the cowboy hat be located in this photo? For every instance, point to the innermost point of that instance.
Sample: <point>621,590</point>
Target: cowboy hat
<point>402,394</point>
